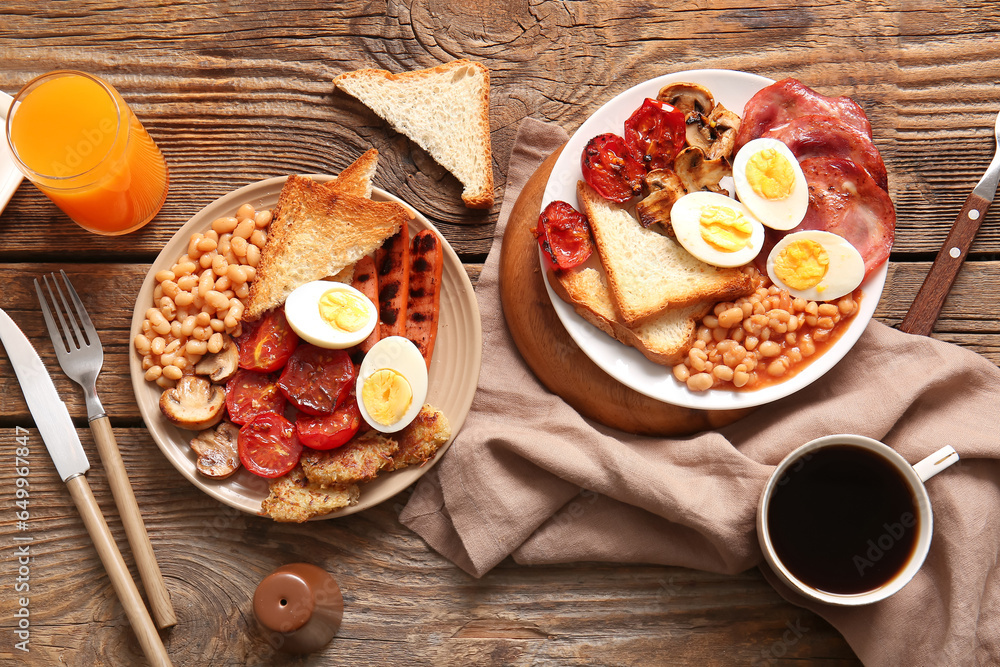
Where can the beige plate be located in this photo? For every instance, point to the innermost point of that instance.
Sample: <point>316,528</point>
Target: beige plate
<point>454,370</point>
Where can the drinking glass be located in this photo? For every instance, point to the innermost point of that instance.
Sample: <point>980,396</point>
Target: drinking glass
<point>75,138</point>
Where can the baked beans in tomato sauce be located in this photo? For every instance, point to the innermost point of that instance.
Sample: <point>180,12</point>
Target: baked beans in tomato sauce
<point>762,339</point>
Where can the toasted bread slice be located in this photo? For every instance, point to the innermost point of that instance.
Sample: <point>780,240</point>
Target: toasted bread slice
<point>664,339</point>
<point>356,179</point>
<point>317,232</point>
<point>444,109</point>
<point>649,273</point>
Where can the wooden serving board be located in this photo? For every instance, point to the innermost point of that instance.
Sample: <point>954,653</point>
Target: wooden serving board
<point>552,355</point>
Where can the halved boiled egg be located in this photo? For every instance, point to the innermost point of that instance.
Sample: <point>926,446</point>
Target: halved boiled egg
<point>392,384</point>
<point>330,315</point>
<point>716,229</point>
<point>816,265</point>
<point>770,182</point>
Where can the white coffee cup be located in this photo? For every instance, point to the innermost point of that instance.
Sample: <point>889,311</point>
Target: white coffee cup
<point>913,476</point>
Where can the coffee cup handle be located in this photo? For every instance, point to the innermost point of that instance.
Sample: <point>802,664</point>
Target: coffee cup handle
<point>935,463</point>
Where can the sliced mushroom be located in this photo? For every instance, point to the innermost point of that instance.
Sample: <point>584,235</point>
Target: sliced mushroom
<point>697,172</point>
<point>688,98</point>
<point>715,133</point>
<point>662,179</point>
<point>217,452</point>
<point>664,187</point>
<point>194,404</point>
<point>726,125</point>
<point>221,365</point>
<point>697,131</point>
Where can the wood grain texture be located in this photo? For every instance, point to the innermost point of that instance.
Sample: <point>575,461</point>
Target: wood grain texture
<point>240,90</point>
<point>926,306</point>
<point>125,589</point>
<point>131,516</point>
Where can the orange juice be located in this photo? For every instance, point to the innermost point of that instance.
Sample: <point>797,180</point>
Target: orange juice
<point>77,140</point>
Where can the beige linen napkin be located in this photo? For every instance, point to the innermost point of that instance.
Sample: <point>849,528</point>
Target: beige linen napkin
<point>530,478</point>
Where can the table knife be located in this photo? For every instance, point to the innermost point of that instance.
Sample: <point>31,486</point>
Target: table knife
<point>56,428</point>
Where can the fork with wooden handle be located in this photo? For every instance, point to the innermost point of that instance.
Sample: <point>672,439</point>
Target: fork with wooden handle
<point>924,311</point>
<point>81,358</point>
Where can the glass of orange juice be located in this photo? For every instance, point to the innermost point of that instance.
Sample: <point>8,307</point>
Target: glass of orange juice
<point>76,139</point>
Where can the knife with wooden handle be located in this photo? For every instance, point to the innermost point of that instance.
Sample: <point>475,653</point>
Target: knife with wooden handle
<point>924,310</point>
<point>55,425</point>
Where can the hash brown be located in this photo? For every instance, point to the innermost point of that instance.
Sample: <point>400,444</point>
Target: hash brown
<point>357,461</point>
<point>293,498</point>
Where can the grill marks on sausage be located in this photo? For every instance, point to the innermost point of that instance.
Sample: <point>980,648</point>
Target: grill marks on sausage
<point>393,263</point>
<point>366,281</point>
<point>424,302</point>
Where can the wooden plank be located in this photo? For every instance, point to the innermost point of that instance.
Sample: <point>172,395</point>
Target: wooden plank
<point>211,99</point>
<point>407,605</point>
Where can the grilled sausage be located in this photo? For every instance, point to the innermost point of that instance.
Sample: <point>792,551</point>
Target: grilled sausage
<point>393,263</point>
<point>366,281</point>
<point>424,306</point>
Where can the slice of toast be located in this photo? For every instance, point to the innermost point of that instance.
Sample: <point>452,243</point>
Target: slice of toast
<point>356,179</point>
<point>649,273</point>
<point>444,109</point>
<point>317,232</point>
<point>664,339</point>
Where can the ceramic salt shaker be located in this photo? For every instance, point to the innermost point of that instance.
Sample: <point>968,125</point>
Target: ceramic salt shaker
<point>299,606</point>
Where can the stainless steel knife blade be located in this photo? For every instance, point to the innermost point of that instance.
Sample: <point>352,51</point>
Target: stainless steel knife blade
<point>52,419</point>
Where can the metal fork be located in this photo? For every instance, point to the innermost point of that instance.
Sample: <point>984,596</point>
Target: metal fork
<point>81,357</point>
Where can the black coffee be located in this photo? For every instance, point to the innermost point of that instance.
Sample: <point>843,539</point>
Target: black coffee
<point>843,520</point>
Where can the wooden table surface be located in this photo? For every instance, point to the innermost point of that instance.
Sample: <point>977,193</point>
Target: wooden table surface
<point>237,91</point>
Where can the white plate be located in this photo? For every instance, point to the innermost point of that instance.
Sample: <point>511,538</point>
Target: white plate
<point>452,378</point>
<point>10,176</point>
<point>626,364</point>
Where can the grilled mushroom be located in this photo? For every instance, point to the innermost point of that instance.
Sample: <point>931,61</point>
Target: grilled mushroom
<point>221,365</point>
<point>688,98</point>
<point>696,172</point>
<point>665,188</point>
<point>715,133</point>
<point>194,404</point>
<point>216,449</point>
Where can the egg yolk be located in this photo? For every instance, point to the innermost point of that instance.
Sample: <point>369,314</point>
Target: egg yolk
<point>387,396</point>
<point>802,264</point>
<point>343,311</point>
<point>724,228</point>
<point>770,174</point>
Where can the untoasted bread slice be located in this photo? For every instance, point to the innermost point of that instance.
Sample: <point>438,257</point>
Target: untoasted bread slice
<point>664,339</point>
<point>317,232</point>
<point>649,273</point>
<point>444,109</point>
